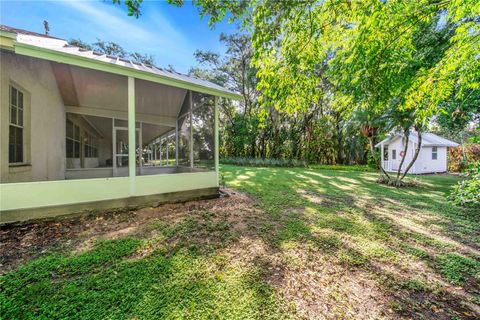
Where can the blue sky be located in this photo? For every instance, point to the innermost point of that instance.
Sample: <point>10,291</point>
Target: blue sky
<point>168,33</point>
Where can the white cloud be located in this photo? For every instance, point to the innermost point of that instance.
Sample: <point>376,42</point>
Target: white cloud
<point>106,21</point>
<point>152,33</point>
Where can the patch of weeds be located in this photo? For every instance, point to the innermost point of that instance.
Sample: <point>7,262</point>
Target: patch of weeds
<point>413,285</point>
<point>396,306</point>
<point>376,250</point>
<point>352,258</point>
<point>181,229</point>
<point>422,239</point>
<point>458,269</point>
<point>340,224</point>
<point>327,241</point>
<point>155,225</point>
<point>294,229</point>
<point>475,299</point>
<point>419,253</point>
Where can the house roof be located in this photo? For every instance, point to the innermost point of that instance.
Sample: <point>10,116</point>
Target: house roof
<point>55,49</point>
<point>428,140</point>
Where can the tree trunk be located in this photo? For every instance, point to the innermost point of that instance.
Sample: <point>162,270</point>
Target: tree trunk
<point>415,156</point>
<point>407,137</point>
<point>372,150</point>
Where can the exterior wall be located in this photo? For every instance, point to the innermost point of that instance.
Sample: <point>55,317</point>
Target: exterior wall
<point>44,118</point>
<point>398,145</point>
<point>48,196</point>
<point>424,162</point>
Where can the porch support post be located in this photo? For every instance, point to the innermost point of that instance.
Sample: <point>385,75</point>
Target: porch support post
<point>166,146</point>
<point>191,130</point>
<point>114,150</point>
<point>381,157</point>
<point>176,143</point>
<point>140,152</point>
<point>131,135</point>
<point>216,144</point>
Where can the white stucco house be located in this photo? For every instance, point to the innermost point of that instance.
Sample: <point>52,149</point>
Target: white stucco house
<point>431,159</point>
<point>81,130</point>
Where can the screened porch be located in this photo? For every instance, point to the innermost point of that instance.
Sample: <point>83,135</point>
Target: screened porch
<point>174,128</point>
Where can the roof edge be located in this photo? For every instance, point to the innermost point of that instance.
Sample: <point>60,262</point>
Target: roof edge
<point>62,57</point>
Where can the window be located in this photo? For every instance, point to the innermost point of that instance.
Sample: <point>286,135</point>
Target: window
<point>73,140</point>
<point>434,153</point>
<point>15,133</point>
<point>394,154</point>
<point>90,147</point>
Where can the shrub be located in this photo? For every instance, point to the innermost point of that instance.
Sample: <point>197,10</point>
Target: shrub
<point>259,162</point>
<point>467,192</point>
<point>457,162</point>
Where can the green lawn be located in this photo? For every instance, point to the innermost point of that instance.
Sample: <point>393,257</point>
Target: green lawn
<point>304,243</point>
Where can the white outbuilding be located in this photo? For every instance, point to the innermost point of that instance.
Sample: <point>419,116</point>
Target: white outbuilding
<point>431,159</point>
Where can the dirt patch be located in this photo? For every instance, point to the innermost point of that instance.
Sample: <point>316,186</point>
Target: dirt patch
<point>19,244</point>
<point>321,276</point>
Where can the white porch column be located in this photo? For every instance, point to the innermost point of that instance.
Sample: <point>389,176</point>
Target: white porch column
<point>166,146</point>
<point>381,157</point>
<point>160,151</point>
<point>176,143</point>
<point>216,144</point>
<point>191,130</point>
<point>140,152</point>
<point>131,135</point>
<point>114,150</point>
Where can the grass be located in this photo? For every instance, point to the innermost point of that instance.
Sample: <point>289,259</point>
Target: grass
<point>315,242</point>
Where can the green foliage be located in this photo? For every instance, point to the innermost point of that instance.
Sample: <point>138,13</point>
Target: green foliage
<point>113,49</point>
<point>458,269</point>
<point>460,157</point>
<point>110,282</point>
<point>413,285</point>
<point>467,192</point>
<point>397,64</point>
<point>364,168</point>
<point>258,162</point>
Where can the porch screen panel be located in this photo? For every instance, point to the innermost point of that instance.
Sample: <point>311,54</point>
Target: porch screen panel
<point>154,141</point>
<point>203,126</point>
<point>184,141</point>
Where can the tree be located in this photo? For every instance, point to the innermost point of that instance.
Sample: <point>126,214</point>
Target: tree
<point>397,57</point>
<point>113,49</point>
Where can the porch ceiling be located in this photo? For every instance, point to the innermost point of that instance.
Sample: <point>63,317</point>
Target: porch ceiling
<point>95,91</point>
<point>104,127</point>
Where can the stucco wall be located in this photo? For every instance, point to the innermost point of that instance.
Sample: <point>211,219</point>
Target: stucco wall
<point>44,133</point>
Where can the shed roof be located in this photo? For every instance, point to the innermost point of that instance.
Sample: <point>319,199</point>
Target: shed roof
<point>55,49</point>
<point>428,140</point>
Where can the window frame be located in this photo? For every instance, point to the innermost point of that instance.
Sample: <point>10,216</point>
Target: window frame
<point>90,146</point>
<point>75,138</point>
<point>434,153</point>
<point>17,125</point>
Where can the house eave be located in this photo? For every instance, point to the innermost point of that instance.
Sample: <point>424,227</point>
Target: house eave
<point>62,57</point>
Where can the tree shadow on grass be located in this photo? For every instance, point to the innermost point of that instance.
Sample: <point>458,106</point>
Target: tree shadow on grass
<point>308,239</point>
<point>180,267</point>
<point>396,219</point>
